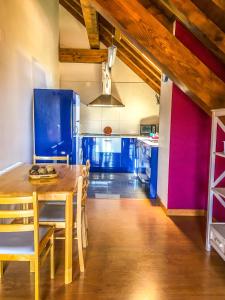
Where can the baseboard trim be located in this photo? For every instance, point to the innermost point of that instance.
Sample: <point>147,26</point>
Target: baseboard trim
<point>162,206</point>
<point>182,212</point>
<point>186,212</point>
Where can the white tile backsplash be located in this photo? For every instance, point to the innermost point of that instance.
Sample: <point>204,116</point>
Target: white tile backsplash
<point>90,127</point>
<point>129,127</point>
<point>112,114</point>
<point>90,113</point>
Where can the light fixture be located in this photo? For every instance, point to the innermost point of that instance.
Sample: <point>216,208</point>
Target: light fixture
<point>111,55</point>
<point>106,99</point>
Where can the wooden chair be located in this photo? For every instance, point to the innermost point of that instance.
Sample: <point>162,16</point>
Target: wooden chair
<point>88,166</point>
<point>85,220</point>
<point>55,215</point>
<point>25,242</point>
<point>53,159</point>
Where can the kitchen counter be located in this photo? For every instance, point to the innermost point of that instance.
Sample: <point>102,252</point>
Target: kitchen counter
<point>109,136</point>
<point>148,141</point>
<point>144,139</point>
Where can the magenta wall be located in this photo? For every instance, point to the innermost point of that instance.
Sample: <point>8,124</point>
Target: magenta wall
<point>190,137</point>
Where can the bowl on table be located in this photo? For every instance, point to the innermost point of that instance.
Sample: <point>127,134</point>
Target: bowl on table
<point>41,171</point>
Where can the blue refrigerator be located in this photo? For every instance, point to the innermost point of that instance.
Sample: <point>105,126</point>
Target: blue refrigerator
<point>57,123</point>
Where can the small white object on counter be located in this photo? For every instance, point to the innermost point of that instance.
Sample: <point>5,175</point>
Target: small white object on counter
<point>149,141</point>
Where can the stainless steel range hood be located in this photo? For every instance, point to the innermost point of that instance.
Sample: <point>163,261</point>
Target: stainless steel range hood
<point>106,99</point>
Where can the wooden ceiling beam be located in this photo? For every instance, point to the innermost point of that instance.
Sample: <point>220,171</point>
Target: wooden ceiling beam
<point>151,37</point>
<point>198,23</point>
<point>127,46</point>
<point>134,67</point>
<point>93,56</point>
<point>140,57</point>
<point>160,15</point>
<point>139,64</point>
<point>91,23</point>
<point>153,76</point>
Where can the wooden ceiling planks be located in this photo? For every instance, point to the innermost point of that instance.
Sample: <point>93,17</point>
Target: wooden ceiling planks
<point>132,62</point>
<point>212,11</point>
<point>91,23</point>
<point>130,55</point>
<point>198,23</point>
<point>220,3</point>
<point>185,69</point>
<point>74,9</point>
<point>163,15</point>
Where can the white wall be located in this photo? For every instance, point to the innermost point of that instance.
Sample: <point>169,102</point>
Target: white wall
<point>28,58</point>
<point>164,140</point>
<point>138,97</point>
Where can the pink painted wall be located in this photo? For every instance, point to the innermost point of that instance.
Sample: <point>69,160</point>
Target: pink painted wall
<point>190,137</point>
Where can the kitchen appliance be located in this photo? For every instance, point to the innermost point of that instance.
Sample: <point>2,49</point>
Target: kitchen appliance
<point>57,123</point>
<point>106,99</point>
<point>147,129</point>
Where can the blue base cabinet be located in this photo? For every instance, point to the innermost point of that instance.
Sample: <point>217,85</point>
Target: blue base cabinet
<point>128,158</point>
<point>152,184</point>
<point>147,167</point>
<point>109,154</point>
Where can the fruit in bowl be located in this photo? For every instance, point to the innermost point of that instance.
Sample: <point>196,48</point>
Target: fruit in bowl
<point>42,170</point>
<point>50,169</point>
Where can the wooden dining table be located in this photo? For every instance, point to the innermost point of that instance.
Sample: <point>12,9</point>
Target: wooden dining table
<point>62,188</point>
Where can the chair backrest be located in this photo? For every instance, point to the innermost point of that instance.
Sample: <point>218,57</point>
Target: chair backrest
<point>85,186</point>
<point>88,166</point>
<point>53,159</point>
<point>26,208</point>
<point>80,183</point>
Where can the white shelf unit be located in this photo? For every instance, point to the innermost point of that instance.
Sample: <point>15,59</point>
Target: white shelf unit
<point>215,235</point>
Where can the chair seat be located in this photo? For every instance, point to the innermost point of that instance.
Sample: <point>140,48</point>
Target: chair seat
<point>53,213</point>
<point>20,242</point>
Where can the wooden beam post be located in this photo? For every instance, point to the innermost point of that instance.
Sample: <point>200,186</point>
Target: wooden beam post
<point>173,58</point>
<point>91,23</point>
<point>94,56</point>
<point>197,22</point>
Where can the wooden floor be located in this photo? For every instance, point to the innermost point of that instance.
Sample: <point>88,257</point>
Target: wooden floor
<point>135,252</point>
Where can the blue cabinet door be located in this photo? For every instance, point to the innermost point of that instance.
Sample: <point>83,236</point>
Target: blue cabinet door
<point>143,163</point>
<point>89,151</point>
<point>153,173</point>
<point>108,153</point>
<point>102,153</point>
<point>147,167</point>
<point>128,158</point>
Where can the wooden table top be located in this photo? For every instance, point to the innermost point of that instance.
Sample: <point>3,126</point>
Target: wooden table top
<point>17,181</point>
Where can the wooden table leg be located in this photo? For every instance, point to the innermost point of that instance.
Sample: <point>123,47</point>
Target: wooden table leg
<point>69,239</point>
